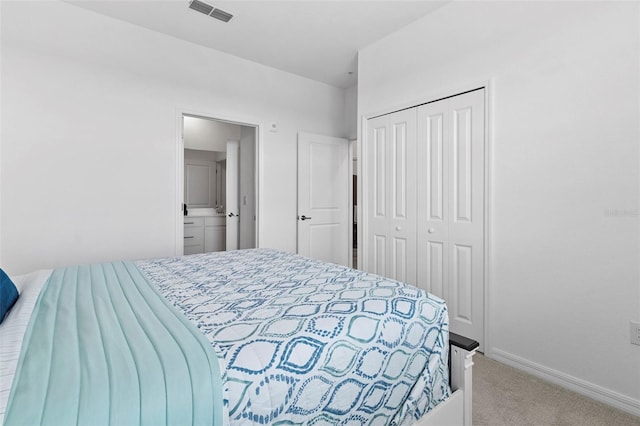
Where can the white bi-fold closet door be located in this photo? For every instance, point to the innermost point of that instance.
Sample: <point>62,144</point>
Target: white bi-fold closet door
<point>425,209</point>
<point>391,204</point>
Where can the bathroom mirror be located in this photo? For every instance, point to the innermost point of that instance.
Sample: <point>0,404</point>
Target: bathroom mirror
<point>204,179</point>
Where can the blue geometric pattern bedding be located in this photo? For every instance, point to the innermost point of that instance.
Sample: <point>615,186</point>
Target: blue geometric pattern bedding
<point>301,341</point>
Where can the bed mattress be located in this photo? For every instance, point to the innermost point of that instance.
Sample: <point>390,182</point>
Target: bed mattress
<point>303,341</point>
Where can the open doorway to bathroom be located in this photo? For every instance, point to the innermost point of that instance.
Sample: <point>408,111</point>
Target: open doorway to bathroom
<point>219,184</point>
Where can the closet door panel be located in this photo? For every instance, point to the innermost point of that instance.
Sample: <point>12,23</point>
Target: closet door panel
<point>380,172</point>
<point>460,298</point>
<point>465,122</point>
<point>434,170</point>
<point>462,158</point>
<point>378,264</point>
<point>433,209</point>
<point>402,188</point>
<point>466,194</point>
<point>391,191</point>
<point>399,155</point>
<point>399,259</point>
<point>435,270</point>
<point>376,188</point>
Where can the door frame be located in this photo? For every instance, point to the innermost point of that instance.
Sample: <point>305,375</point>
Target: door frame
<point>179,168</point>
<point>487,85</point>
<point>352,171</point>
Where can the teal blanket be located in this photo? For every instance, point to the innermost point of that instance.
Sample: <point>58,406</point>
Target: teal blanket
<point>104,347</point>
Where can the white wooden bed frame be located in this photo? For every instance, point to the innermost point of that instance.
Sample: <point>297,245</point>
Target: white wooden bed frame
<point>455,410</point>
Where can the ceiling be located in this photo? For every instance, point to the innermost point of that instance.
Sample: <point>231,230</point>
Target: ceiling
<point>314,39</point>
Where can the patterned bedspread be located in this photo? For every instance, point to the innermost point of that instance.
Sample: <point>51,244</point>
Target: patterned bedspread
<point>303,341</point>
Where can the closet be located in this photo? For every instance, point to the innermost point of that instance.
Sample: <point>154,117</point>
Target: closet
<point>424,212</point>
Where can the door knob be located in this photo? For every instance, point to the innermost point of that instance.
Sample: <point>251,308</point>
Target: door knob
<point>233,215</point>
<point>303,217</point>
<point>431,230</point>
<point>398,228</point>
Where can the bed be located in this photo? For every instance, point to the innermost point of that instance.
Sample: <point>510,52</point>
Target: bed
<point>241,337</point>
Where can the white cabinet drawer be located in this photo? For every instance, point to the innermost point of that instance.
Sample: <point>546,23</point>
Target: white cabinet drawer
<point>193,221</point>
<point>193,235</point>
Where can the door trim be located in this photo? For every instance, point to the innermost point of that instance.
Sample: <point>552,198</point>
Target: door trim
<point>352,172</point>
<point>363,226</point>
<point>179,168</point>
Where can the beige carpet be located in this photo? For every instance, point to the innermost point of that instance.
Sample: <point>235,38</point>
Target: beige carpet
<point>503,395</point>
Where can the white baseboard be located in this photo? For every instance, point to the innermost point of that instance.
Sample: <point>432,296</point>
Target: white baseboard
<point>559,378</point>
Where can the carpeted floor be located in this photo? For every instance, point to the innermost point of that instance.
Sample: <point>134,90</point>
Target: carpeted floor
<point>503,395</point>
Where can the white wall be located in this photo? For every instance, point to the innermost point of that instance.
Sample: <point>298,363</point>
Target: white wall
<point>209,135</point>
<point>564,276</point>
<point>351,110</point>
<point>89,131</point>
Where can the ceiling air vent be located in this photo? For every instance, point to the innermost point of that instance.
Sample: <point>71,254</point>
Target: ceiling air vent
<point>221,15</point>
<point>209,10</point>
<point>201,7</point>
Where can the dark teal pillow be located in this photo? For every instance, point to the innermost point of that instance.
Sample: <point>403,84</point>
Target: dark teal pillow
<point>8,294</point>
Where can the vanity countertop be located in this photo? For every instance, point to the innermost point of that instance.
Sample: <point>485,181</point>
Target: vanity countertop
<point>203,212</point>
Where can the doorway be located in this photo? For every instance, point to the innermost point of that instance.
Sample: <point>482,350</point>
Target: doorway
<point>218,184</point>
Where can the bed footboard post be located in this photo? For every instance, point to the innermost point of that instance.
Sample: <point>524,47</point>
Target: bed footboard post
<point>462,352</point>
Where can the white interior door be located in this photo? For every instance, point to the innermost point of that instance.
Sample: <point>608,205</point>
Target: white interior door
<point>323,198</point>
<point>232,188</point>
<point>451,208</point>
<point>391,205</point>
